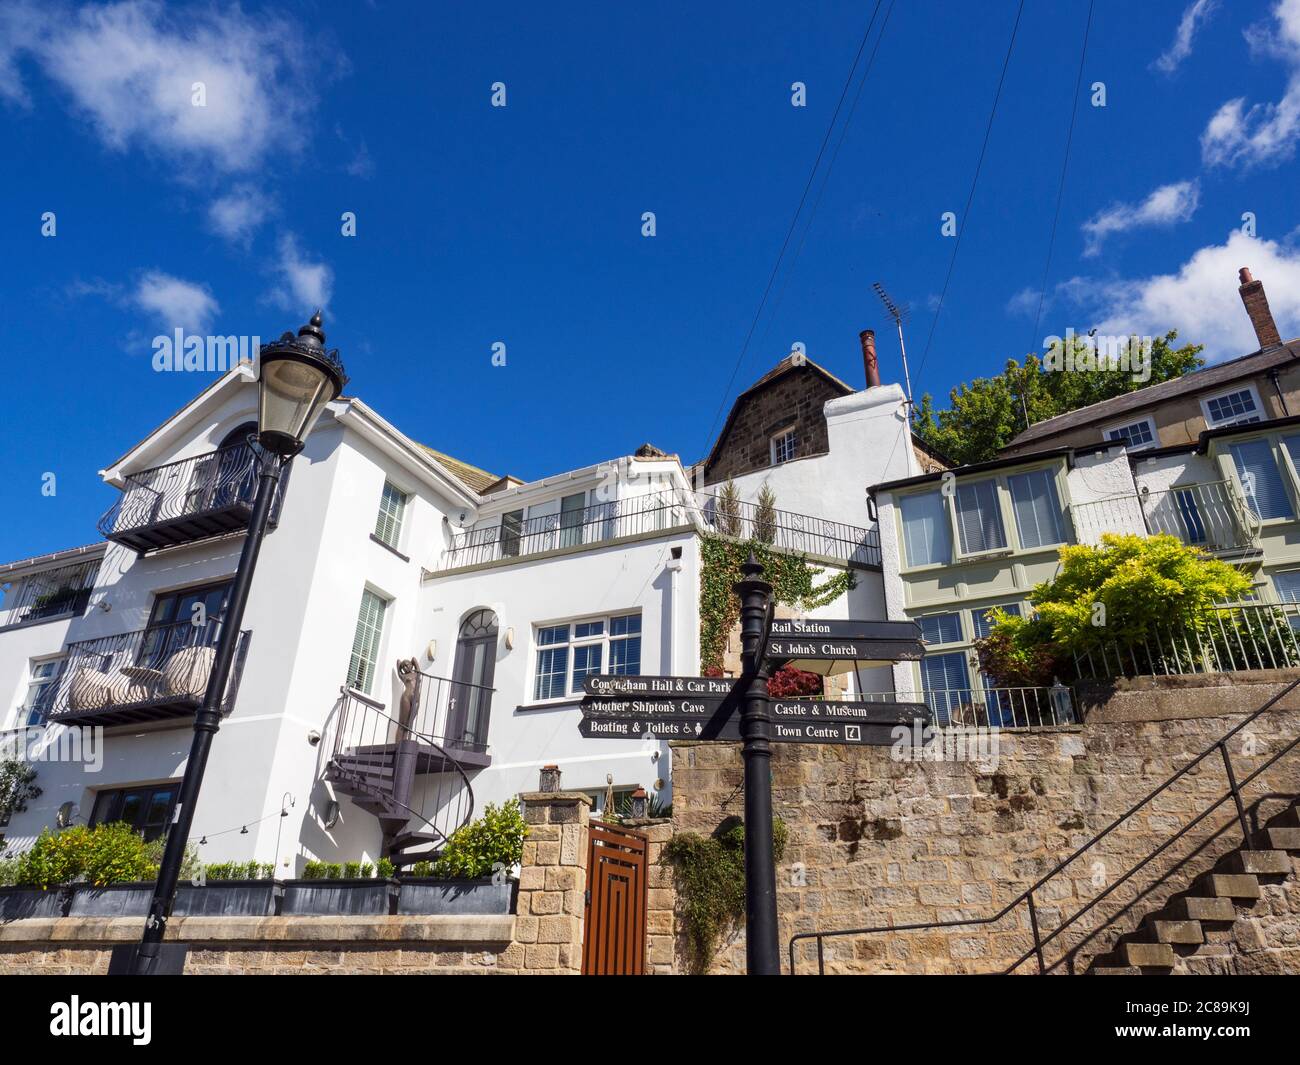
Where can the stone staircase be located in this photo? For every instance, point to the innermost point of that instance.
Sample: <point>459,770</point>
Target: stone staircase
<point>1197,931</point>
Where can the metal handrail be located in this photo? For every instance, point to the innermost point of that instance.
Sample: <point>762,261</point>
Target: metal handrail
<point>990,707</point>
<point>1026,897</point>
<point>361,727</point>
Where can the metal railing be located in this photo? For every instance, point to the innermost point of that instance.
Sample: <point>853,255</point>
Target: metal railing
<point>1210,515</point>
<point>1041,938</point>
<point>1238,636</point>
<point>551,532</point>
<point>662,512</point>
<point>376,756</point>
<point>785,530</point>
<point>455,714</point>
<point>161,666</point>
<point>204,484</point>
<point>51,593</point>
<point>1206,515</point>
<point>990,707</point>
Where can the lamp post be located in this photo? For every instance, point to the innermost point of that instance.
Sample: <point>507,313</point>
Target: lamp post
<point>298,378</point>
<point>762,952</point>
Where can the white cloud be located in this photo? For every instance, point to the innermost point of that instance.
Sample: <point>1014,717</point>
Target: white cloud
<point>1195,16</point>
<point>238,213</point>
<point>1200,300</point>
<point>1263,134</point>
<point>304,285</point>
<point>130,68</point>
<point>176,304</point>
<point>1166,206</point>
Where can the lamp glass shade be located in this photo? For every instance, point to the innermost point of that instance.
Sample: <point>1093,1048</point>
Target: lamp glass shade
<point>293,395</point>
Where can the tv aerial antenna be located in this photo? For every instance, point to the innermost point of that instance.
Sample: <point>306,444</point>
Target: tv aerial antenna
<point>899,314</point>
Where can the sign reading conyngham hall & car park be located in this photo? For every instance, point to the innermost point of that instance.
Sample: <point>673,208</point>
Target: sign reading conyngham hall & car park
<point>741,709</point>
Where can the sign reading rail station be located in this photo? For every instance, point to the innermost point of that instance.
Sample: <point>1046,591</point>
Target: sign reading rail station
<point>833,647</point>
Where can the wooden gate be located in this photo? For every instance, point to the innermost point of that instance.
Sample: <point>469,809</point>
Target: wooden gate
<point>614,941</point>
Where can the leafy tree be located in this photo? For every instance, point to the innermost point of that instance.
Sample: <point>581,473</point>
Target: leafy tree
<point>987,413</point>
<point>17,786</point>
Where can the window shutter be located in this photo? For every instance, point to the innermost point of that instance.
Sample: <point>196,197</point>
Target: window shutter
<point>1037,508</point>
<point>925,529</point>
<point>1264,490</point>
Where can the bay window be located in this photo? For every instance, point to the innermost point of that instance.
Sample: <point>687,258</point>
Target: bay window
<point>1037,508</point>
<point>1261,481</point>
<point>926,535</point>
<point>979,517</point>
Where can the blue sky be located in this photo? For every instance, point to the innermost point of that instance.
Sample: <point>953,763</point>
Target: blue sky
<point>523,224</point>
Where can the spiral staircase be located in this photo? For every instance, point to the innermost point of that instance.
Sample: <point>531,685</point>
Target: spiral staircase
<point>413,780</point>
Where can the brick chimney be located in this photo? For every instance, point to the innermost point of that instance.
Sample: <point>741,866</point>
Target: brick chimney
<point>868,340</point>
<point>1252,295</point>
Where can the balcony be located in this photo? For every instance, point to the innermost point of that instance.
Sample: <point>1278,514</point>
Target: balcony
<point>50,594</point>
<point>183,502</point>
<point>151,675</point>
<point>602,523</point>
<point>622,519</point>
<point>1210,516</point>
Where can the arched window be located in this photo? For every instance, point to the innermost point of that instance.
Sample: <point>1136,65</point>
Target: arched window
<point>472,673</point>
<point>233,474</point>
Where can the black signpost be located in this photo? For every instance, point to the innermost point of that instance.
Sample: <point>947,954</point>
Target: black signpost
<point>705,708</point>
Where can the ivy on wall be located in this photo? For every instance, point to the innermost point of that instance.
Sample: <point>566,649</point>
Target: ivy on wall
<point>793,578</point>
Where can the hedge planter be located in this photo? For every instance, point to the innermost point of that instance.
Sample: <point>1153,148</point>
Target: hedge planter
<point>19,902</point>
<point>229,898</point>
<point>340,896</point>
<point>430,895</point>
<point>128,899</point>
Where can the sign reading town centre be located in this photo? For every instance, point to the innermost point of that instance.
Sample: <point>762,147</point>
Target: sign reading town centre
<point>833,647</point>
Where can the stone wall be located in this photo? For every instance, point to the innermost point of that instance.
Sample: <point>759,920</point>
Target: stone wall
<point>793,400</point>
<point>543,936</point>
<point>876,841</point>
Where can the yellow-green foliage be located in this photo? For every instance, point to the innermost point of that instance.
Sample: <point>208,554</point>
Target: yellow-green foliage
<point>105,854</point>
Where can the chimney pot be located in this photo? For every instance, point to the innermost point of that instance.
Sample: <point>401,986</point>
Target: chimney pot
<point>1256,304</point>
<point>868,340</point>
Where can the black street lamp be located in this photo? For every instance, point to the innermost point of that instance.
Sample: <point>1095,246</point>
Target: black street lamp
<point>298,378</point>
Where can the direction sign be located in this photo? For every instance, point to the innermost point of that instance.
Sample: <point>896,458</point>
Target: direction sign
<point>833,647</point>
<point>606,684</point>
<point>785,730</point>
<point>640,706</point>
<point>833,629</point>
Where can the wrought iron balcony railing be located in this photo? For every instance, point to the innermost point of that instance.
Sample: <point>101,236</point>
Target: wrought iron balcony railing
<point>49,594</point>
<point>150,675</point>
<point>185,501</point>
<point>1209,515</point>
<point>593,525</point>
<point>663,512</point>
<point>784,530</point>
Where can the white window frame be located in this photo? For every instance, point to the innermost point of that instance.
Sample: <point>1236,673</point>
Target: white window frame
<point>1146,420</point>
<point>378,642</point>
<point>1001,500</point>
<point>777,442</point>
<point>604,639</point>
<point>1259,414</point>
<point>25,705</point>
<point>397,522</point>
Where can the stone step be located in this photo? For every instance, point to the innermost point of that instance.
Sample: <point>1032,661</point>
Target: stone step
<point>1283,839</point>
<point>1261,863</point>
<point>1233,885</point>
<point>1194,908</point>
<point>1149,955</point>
<point>1177,931</point>
<point>1115,970</point>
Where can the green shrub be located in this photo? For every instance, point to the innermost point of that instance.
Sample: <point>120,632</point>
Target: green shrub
<point>422,868</point>
<point>1129,591</point>
<point>386,869</point>
<point>334,871</point>
<point>9,870</point>
<point>351,870</point>
<point>711,884</point>
<point>190,861</point>
<point>367,870</point>
<point>314,870</point>
<point>107,854</point>
<point>473,851</point>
